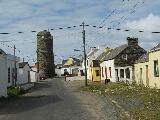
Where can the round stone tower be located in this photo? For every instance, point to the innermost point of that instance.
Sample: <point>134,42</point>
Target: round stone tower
<point>45,57</point>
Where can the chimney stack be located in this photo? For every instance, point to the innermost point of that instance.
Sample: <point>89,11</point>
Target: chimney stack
<point>132,41</point>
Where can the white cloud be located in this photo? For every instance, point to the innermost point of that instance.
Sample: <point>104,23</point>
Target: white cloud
<point>27,15</point>
<point>150,23</point>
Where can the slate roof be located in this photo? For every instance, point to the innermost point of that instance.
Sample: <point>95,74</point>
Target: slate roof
<point>142,59</point>
<point>22,64</point>
<point>95,63</point>
<point>2,52</point>
<point>155,48</point>
<point>103,55</point>
<point>113,53</point>
<point>93,52</point>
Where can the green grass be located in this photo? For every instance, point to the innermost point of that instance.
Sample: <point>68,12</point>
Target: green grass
<point>14,91</point>
<point>149,99</point>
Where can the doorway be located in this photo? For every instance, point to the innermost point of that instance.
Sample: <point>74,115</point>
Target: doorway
<point>117,78</point>
<point>141,82</point>
<point>147,77</point>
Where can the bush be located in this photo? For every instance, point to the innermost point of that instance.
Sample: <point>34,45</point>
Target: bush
<point>13,91</point>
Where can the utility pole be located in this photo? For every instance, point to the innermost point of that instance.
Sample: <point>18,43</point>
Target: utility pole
<point>15,72</point>
<point>37,60</point>
<point>85,56</point>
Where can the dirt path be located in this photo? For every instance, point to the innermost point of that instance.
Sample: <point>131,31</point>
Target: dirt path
<point>98,106</point>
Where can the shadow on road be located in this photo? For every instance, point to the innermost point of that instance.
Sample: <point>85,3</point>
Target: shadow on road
<point>41,85</point>
<point>23,104</point>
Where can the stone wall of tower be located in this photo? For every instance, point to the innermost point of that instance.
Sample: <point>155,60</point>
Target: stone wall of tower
<point>45,56</point>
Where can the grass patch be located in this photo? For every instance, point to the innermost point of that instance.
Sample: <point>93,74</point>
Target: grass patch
<point>142,103</point>
<point>15,91</point>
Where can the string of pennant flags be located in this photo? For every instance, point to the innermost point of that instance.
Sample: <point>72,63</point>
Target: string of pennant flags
<point>18,50</point>
<point>94,26</point>
<point>101,26</point>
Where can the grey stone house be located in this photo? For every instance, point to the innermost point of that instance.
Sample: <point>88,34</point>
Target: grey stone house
<point>118,64</point>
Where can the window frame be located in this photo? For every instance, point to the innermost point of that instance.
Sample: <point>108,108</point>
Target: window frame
<point>122,76</point>
<point>156,68</point>
<point>128,74</point>
<point>102,72</point>
<point>124,56</point>
<point>9,75</point>
<point>97,73</point>
<point>110,72</point>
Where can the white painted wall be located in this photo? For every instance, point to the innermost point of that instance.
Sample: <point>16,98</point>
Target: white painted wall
<point>109,63</point>
<point>125,78</point>
<point>23,75</point>
<point>114,77</point>
<point>10,64</point>
<point>3,75</point>
<point>89,59</point>
<point>75,67</point>
<point>62,70</point>
<point>34,69</point>
<point>58,72</point>
<point>33,76</point>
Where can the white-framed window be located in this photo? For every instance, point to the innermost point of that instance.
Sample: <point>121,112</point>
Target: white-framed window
<point>124,56</point>
<point>121,73</point>
<point>156,68</point>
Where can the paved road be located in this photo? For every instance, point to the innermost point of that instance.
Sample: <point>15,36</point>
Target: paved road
<point>57,100</point>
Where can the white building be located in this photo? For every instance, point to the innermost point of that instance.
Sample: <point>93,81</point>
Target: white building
<point>92,55</point>
<point>11,63</point>
<point>3,74</point>
<point>8,74</point>
<point>33,76</point>
<point>118,63</point>
<point>24,73</point>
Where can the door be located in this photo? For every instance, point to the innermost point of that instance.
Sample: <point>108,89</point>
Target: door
<point>29,80</point>
<point>141,82</point>
<point>147,77</point>
<point>117,78</point>
<point>106,72</point>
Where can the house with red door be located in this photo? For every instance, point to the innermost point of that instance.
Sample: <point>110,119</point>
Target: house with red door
<point>118,64</point>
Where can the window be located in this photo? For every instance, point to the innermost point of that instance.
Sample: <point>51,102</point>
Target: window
<point>9,78</point>
<point>102,72</point>
<point>87,62</point>
<point>124,56</point>
<point>65,70</point>
<point>97,73</point>
<point>156,69</point>
<point>16,74</point>
<point>12,74</point>
<point>110,72</point>
<point>106,71</point>
<point>121,73</point>
<point>127,73</point>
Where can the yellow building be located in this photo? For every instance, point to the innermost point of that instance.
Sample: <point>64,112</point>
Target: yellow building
<point>154,65</point>
<point>141,70</point>
<point>147,68</point>
<point>69,61</point>
<point>95,71</point>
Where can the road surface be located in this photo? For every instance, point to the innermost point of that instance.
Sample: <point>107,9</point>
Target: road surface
<point>55,99</point>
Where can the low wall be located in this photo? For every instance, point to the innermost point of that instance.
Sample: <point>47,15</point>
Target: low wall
<point>27,86</point>
<point>75,78</point>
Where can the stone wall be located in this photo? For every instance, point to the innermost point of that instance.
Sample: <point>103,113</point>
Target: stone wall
<point>133,52</point>
<point>45,55</point>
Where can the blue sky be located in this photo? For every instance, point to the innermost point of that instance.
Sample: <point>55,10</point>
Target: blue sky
<point>28,15</point>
